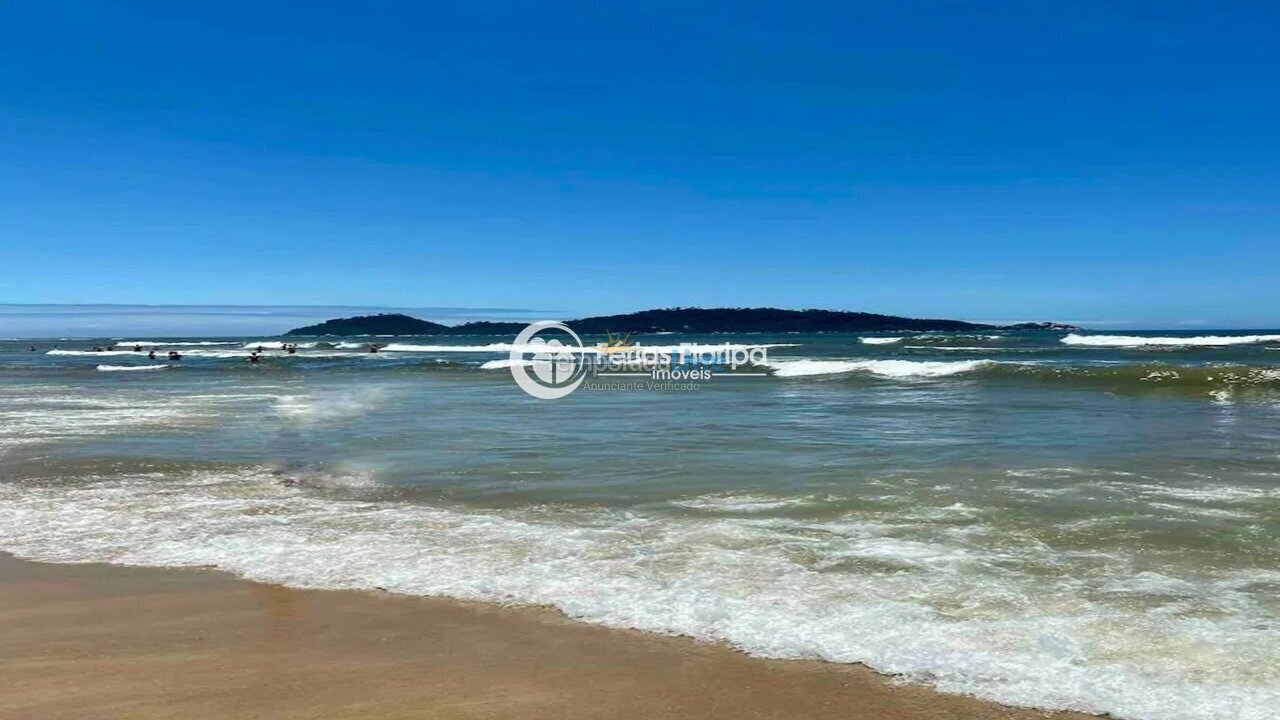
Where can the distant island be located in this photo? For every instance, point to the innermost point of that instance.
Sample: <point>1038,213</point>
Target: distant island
<point>682,320</point>
<point>387,324</point>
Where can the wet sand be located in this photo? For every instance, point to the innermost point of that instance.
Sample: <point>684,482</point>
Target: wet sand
<point>106,642</point>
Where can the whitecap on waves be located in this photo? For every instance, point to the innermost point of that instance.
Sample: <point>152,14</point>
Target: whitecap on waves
<point>931,339</point>
<point>744,503</point>
<point>279,345</point>
<point>95,353</point>
<point>961,348</point>
<point>503,364</point>
<point>881,340</point>
<point>127,368</point>
<point>508,347</point>
<point>882,368</point>
<point>1142,341</point>
<point>172,343</point>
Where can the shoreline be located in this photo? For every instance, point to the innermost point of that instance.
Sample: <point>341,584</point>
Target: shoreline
<point>110,641</point>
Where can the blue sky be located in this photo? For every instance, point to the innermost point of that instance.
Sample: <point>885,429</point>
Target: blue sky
<point>156,321</point>
<point>1108,163</point>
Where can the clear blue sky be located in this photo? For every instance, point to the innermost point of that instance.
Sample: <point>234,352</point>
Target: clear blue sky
<point>1116,163</point>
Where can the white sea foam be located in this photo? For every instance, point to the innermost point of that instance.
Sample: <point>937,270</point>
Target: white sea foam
<point>936,338</point>
<point>1004,620</point>
<point>508,347</point>
<point>278,345</point>
<point>503,364</point>
<point>349,349</point>
<point>243,353</point>
<point>171,343</point>
<point>744,503</point>
<point>959,348</point>
<point>96,353</point>
<point>883,368</point>
<point>410,347</point>
<point>53,417</point>
<point>326,406</point>
<point>881,340</point>
<point>127,368</point>
<point>221,354</point>
<point>1211,492</point>
<point>1141,341</point>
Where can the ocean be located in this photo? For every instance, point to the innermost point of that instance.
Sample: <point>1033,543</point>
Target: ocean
<point>1084,521</point>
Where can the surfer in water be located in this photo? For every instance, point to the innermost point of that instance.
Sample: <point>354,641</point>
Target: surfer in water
<point>175,355</point>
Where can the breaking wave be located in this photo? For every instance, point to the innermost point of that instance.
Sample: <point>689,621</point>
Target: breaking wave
<point>1103,376</point>
<point>1143,341</point>
<point>172,343</point>
<point>883,368</point>
<point>932,339</point>
<point>1009,618</point>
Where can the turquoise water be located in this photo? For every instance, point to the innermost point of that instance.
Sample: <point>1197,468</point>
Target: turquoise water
<point>1080,521</point>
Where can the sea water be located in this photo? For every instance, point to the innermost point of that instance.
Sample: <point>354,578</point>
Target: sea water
<point>1087,521</point>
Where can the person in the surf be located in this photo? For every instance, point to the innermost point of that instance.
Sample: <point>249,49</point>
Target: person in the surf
<point>151,355</point>
<point>175,355</point>
<point>374,347</point>
<point>292,348</point>
<point>31,349</point>
<point>253,357</point>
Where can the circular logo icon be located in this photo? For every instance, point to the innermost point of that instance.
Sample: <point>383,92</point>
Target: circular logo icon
<point>547,360</point>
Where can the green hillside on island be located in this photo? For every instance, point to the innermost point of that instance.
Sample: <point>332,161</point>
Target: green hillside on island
<point>387,324</point>
<point>683,320</point>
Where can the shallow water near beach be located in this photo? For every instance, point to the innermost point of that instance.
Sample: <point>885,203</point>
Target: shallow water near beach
<point>1082,521</point>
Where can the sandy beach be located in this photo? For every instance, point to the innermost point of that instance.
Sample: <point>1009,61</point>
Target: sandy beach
<point>102,641</point>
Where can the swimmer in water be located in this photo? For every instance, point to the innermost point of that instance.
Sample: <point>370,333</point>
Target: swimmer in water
<point>151,355</point>
<point>175,355</point>
<point>253,357</point>
<point>137,348</point>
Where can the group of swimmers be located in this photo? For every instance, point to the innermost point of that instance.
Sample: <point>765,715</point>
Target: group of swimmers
<point>254,357</point>
<point>257,354</point>
<point>292,349</point>
<point>151,353</point>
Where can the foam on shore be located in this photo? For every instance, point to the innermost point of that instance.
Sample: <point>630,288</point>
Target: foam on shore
<point>1010,620</point>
